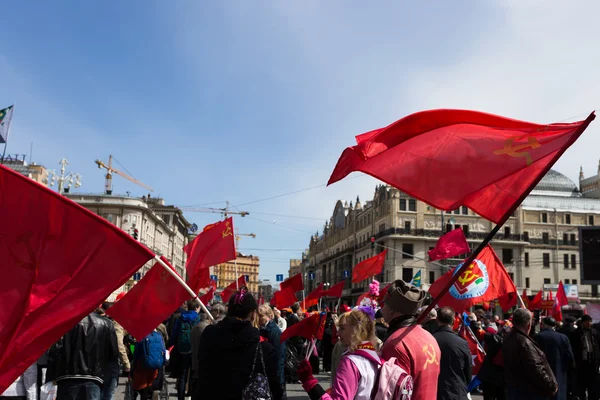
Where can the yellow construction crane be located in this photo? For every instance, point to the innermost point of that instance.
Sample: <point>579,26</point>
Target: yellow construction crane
<point>110,170</point>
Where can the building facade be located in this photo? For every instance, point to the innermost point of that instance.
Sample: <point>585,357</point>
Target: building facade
<point>38,173</point>
<point>163,229</point>
<point>246,265</point>
<point>265,290</point>
<point>295,267</point>
<point>538,244</point>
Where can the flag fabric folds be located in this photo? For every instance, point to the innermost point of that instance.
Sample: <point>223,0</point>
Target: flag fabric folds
<point>232,288</point>
<point>335,291</point>
<point>214,245</point>
<point>295,283</point>
<point>452,158</point>
<point>52,250</point>
<point>477,353</point>
<point>484,280</point>
<point>416,279</point>
<point>5,120</point>
<point>368,268</point>
<point>559,301</point>
<point>536,302</point>
<point>150,302</point>
<point>208,296</point>
<point>309,328</point>
<point>451,244</point>
<point>284,298</point>
<point>313,297</point>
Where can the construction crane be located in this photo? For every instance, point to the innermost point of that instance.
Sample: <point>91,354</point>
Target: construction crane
<point>110,170</point>
<point>223,211</point>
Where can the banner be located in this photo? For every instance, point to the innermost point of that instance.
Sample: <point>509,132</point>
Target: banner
<point>593,310</point>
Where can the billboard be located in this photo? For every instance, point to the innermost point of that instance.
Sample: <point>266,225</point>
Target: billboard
<point>589,254</point>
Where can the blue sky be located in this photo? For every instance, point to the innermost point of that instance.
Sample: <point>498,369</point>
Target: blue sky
<point>214,101</point>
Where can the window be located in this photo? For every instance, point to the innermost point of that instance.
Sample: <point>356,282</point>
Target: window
<point>573,261</point>
<point>408,251</point>
<point>412,205</point>
<point>167,219</point>
<point>407,274</point>
<point>512,276</point>
<point>574,281</point>
<point>527,259</point>
<point>465,210</point>
<point>431,276</point>
<point>402,204</point>
<point>507,232</point>
<point>573,240</point>
<point>565,238</point>
<point>466,230</point>
<point>567,281</point>
<point>547,281</point>
<point>457,211</point>
<point>527,283</point>
<point>431,248</point>
<point>566,261</point>
<point>594,290</point>
<point>407,226</point>
<point>568,219</point>
<point>526,236</point>
<point>507,256</point>
<point>456,226</point>
<point>591,220</point>
<point>545,238</point>
<point>381,228</point>
<point>544,217</point>
<point>134,219</point>
<point>546,261</point>
<point>369,218</point>
<point>448,227</point>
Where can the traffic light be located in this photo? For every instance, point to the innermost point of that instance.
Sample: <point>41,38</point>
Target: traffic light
<point>372,243</point>
<point>135,233</point>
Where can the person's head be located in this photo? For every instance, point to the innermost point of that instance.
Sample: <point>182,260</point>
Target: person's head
<point>295,308</point>
<point>242,305</point>
<point>522,320</point>
<point>586,322</point>
<point>445,316</point>
<point>402,299</point>
<point>548,322</point>
<point>106,305</point>
<point>496,319</point>
<point>568,321</point>
<point>218,311</point>
<point>379,317</point>
<point>193,304</point>
<point>355,327</point>
<point>277,313</point>
<point>265,314</point>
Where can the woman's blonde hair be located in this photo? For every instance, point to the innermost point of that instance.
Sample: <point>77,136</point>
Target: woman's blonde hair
<point>266,310</point>
<point>363,329</point>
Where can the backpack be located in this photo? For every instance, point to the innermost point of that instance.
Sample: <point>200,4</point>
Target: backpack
<point>184,340</point>
<point>153,351</point>
<point>393,382</point>
<point>258,384</point>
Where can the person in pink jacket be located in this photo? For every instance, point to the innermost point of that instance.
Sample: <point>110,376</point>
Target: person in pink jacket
<point>358,369</point>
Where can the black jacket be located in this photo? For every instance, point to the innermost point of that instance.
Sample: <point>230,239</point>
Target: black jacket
<point>557,348</point>
<point>225,358</point>
<point>455,365</point>
<point>380,331</point>
<point>577,344</point>
<point>491,371</point>
<point>84,351</point>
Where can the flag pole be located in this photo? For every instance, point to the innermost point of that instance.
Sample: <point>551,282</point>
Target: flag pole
<point>185,285</point>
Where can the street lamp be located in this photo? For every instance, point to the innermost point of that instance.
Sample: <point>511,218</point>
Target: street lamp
<point>65,180</point>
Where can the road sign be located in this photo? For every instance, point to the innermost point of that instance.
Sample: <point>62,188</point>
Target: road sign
<point>346,273</point>
<point>213,277</point>
<point>279,278</point>
<point>247,278</point>
<point>311,276</point>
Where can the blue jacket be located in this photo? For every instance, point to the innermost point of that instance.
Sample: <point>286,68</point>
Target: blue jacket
<point>272,334</point>
<point>558,351</point>
<point>186,316</point>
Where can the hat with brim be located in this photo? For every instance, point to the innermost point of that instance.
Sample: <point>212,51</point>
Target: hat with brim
<point>404,298</point>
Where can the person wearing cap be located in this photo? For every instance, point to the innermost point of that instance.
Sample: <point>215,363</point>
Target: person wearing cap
<point>380,325</point>
<point>558,351</point>
<point>415,349</point>
<point>586,349</point>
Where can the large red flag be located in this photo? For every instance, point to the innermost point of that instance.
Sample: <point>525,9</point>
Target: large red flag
<point>477,353</point>
<point>232,288</point>
<point>368,268</point>
<point>449,158</point>
<point>311,327</point>
<point>536,302</point>
<point>313,297</point>
<point>295,283</point>
<point>59,262</point>
<point>284,298</point>
<point>559,301</point>
<point>214,245</point>
<point>335,291</point>
<point>452,244</point>
<point>485,279</point>
<point>149,302</point>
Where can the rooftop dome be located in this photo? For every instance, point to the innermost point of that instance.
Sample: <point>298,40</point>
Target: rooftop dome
<point>554,181</point>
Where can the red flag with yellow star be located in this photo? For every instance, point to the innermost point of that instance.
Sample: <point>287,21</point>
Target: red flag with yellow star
<point>485,279</point>
<point>453,158</point>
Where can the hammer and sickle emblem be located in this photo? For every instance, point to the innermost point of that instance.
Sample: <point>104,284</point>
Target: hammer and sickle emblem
<point>227,231</point>
<point>429,351</point>
<point>513,151</point>
<point>164,275</point>
<point>467,276</point>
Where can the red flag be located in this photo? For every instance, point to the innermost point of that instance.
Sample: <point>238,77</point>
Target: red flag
<point>382,293</point>
<point>536,302</point>
<point>261,300</point>
<point>149,302</point>
<point>368,268</point>
<point>208,296</point>
<point>484,280</point>
<point>59,262</point>
<point>477,353</point>
<point>559,301</point>
<point>452,244</point>
<point>508,301</point>
<point>214,245</point>
<point>308,328</point>
<point>313,297</point>
<point>361,298</point>
<point>335,291</point>
<point>284,298</point>
<point>232,288</point>
<point>449,158</point>
<point>525,298</point>
<point>295,283</point>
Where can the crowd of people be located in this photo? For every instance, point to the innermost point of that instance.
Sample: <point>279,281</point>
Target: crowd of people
<point>237,353</point>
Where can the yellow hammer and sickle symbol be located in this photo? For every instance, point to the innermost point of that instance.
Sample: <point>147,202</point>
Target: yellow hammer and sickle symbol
<point>467,276</point>
<point>512,151</point>
<point>430,353</point>
<point>227,231</point>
